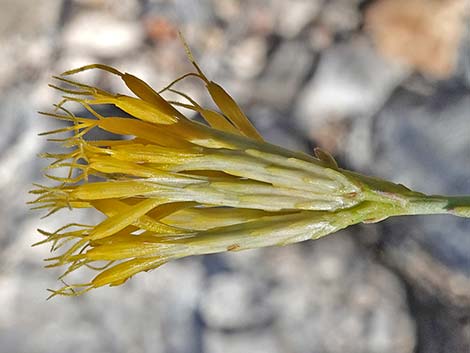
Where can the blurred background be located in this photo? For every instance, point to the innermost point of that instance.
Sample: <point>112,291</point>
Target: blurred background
<point>384,85</point>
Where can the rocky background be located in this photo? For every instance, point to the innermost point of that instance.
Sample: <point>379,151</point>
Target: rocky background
<point>384,85</point>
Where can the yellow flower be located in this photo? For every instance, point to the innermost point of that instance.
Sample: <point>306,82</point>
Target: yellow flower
<point>178,188</point>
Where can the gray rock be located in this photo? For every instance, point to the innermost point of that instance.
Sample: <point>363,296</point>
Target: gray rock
<point>341,15</point>
<point>284,74</point>
<point>294,16</point>
<point>25,19</point>
<point>234,301</point>
<point>198,12</point>
<point>227,10</point>
<point>127,9</point>
<point>138,317</point>
<point>422,142</point>
<point>100,34</point>
<point>256,341</point>
<point>352,81</point>
<point>248,57</point>
<point>336,300</point>
<point>323,296</point>
<point>26,39</point>
<point>18,162</point>
<point>463,69</point>
<point>278,128</point>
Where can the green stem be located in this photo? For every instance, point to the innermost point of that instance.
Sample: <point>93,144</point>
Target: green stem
<point>403,201</point>
<point>438,204</point>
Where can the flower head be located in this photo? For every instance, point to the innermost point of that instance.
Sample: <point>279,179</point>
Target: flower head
<point>178,188</point>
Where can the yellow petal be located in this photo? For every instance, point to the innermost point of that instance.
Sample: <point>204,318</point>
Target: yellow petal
<point>232,111</point>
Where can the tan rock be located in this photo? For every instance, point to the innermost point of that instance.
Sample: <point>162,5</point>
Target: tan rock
<point>424,34</point>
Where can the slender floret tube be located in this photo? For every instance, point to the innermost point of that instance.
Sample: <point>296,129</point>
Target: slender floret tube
<point>175,187</point>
